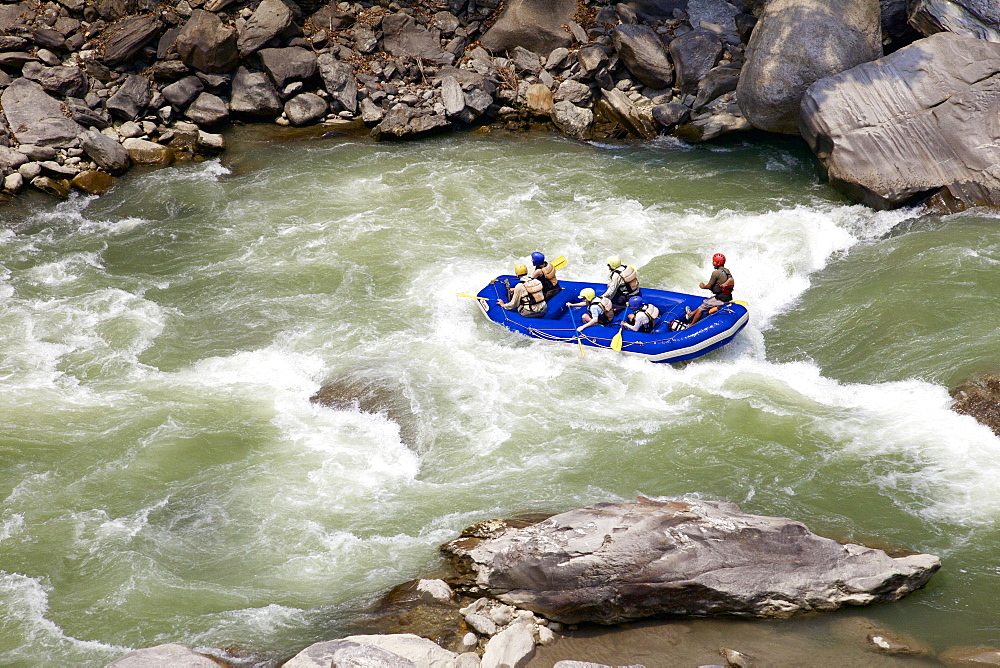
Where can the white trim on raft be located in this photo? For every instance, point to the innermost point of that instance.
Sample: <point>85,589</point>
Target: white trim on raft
<point>681,352</point>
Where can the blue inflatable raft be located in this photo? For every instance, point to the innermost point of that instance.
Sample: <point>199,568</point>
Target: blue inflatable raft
<point>660,345</point>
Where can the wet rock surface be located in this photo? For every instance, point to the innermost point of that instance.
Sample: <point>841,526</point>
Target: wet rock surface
<point>980,398</point>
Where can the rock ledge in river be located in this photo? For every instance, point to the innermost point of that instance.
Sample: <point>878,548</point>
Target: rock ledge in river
<point>611,563</point>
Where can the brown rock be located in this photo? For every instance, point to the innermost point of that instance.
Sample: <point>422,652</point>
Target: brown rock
<point>204,43</point>
<point>93,182</point>
<point>56,187</point>
<point>538,98</point>
<point>970,656</point>
<point>980,398</point>
<point>143,152</point>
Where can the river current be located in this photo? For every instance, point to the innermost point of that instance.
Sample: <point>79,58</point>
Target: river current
<point>164,476</point>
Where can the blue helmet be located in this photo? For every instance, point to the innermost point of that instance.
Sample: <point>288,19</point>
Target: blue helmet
<point>537,258</point>
<point>635,303</point>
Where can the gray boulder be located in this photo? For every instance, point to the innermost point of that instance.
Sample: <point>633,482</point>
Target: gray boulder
<point>267,21</point>
<point>798,42</point>
<point>702,13</point>
<point>61,80</point>
<point>171,654</point>
<point>572,120</point>
<point>721,117</point>
<point>126,38</point>
<point>572,91</point>
<point>404,37</point>
<point>642,52</point>
<point>35,117</point>
<point>694,54</point>
<point>206,44</point>
<point>131,99</point>
<point>406,122</point>
<point>975,18</point>
<point>253,94</point>
<point>525,60</point>
<point>611,563</point>
<point>105,151</point>
<point>305,108</point>
<point>717,82</point>
<point>208,110</point>
<point>918,122</point>
<point>536,25</point>
<point>182,92</point>
<point>346,654</point>
<point>371,112</point>
<point>452,96</point>
<point>288,64</point>
<point>11,159</point>
<point>339,81</point>
<point>670,114</point>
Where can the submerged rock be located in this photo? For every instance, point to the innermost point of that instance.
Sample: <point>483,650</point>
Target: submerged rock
<point>980,398</point>
<point>610,563</point>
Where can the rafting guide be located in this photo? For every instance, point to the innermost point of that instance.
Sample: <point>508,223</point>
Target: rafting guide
<point>720,283</point>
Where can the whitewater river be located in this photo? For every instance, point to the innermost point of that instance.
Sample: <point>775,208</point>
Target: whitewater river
<point>165,477</point>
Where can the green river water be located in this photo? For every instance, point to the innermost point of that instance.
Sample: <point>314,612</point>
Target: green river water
<point>164,476</point>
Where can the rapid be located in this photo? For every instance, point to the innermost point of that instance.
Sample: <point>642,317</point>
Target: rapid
<point>164,476</point>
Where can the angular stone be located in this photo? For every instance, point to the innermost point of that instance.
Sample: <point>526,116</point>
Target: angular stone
<point>572,91</point>
<point>12,183</point>
<point>59,171</point>
<point>253,94</point>
<point>670,114</point>
<point>126,38</point>
<point>56,187</point>
<point>536,25</point>
<point>918,122</point>
<point>525,60</point>
<point>642,52</point>
<point>181,93</point>
<point>511,648</point>
<point>10,159</point>
<point>93,182</point>
<point>170,70</point>
<point>798,42</point>
<point>693,55</point>
<point>205,44</point>
<point>35,117</point>
<point>346,653</point>
<point>105,151</point>
<point>288,64</point>
<point>131,99</point>
<point>267,21</point>
<point>208,110</point>
<point>81,112</point>
<point>210,142</point>
<point>305,108</point>
<point>143,152</point>
<point>712,12</point>
<point>572,120</point>
<point>592,57</point>
<point>610,563</point>
<point>615,107</point>
<point>371,112</point>
<point>538,99</point>
<point>711,125</point>
<point>452,96</point>
<point>63,81</point>
<point>409,647</point>
<point>404,37</point>
<point>15,60</point>
<point>49,38</point>
<point>718,81</point>
<point>339,81</point>
<point>407,122</point>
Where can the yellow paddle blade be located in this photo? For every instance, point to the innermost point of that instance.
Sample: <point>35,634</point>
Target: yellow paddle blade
<point>485,299</point>
<point>743,304</point>
<point>616,343</point>
<point>559,262</point>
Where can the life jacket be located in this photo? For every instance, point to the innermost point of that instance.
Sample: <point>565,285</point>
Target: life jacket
<point>548,277</point>
<point>535,294</point>
<point>652,313</point>
<point>607,310</point>
<point>724,293</point>
<point>630,280</point>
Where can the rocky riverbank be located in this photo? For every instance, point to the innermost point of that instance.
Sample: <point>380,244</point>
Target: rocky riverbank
<point>92,88</point>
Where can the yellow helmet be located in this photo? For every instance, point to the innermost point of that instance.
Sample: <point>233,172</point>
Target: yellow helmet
<point>587,293</point>
<point>614,261</point>
<point>520,270</point>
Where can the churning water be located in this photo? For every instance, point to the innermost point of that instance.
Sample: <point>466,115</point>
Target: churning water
<point>165,477</point>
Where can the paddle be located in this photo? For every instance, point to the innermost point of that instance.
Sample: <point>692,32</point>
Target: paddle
<point>616,342</point>
<point>559,262</point>
<point>485,299</point>
<point>573,320</point>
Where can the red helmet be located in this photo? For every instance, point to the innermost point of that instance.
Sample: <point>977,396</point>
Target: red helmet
<point>719,258</point>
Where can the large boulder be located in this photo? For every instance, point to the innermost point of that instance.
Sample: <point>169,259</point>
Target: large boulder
<point>170,654</point>
<point>206,44</point>
<point>292,63</point>
<point>572,120</point>
<point>344,653</point>
<point>919,122</point>
<point>305,108</point>
<point>694,54</point>
<point>105,151</point>
<point>35,117</point>
<point>536,25</point>
<point>61,80</point>
<point>182,92</point>
<point>975,18</point>
<point>127,38</point>
<point>131,99</point>
<point>208,110</point>
<point>406,122</point>
<point>798,42</point>
<point>339,81</point>
<point>615,108</point>
<point>642,51</point>
<point>253,94</point>
<point>267,22</point>
<point>404,37</point>
<point>615,562</point>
